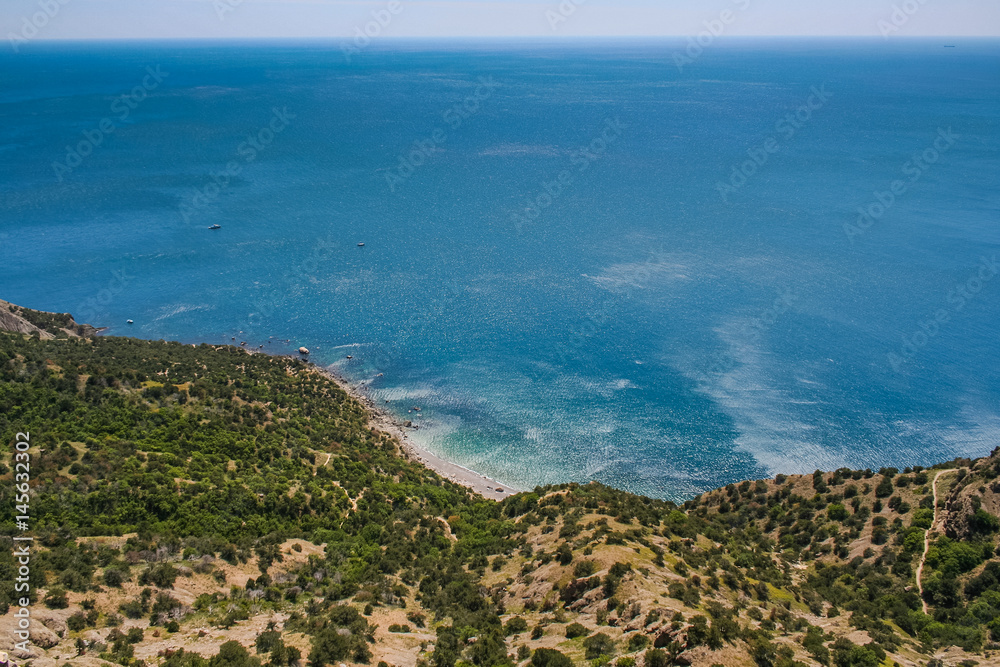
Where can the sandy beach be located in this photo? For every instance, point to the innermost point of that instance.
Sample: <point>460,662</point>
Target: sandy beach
<point>386,422</point>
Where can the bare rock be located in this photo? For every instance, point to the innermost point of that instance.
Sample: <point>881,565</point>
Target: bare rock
<point>29,653</point>
<point>56,625</point>
<point>635,624</point>
<point>42,637</point>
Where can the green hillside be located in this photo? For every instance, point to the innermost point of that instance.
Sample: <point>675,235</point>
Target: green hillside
<point>200,505</point>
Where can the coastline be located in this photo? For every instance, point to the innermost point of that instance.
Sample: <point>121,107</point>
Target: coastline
<point>386,422</point>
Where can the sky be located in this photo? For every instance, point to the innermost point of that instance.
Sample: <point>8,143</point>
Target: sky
<point>145,19</point>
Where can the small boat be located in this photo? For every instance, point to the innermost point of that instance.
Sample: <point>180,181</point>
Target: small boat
<point>129,322</point>
<point>216,227</point>
<point>349,357</point>
<point>361,245</point>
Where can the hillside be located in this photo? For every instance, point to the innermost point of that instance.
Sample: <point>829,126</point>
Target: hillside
<point>200,505</point>
<point>45,325</point>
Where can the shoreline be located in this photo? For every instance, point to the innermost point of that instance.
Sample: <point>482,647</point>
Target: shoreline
<point>388,423</point>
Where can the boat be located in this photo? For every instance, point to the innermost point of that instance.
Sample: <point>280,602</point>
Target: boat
<point>129,322</point>
<point>216,227</point>
<point>361,245</point>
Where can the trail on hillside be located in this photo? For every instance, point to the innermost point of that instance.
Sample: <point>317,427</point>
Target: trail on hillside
<point>927,540</point>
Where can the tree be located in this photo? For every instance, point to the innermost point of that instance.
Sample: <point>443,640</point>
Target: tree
<point>232,654</point>
<point>329,646</point>
<point>837,512</point>
<point>656,658</point>
<point>597,645</point>
<point>515,626</point>
<point>848,654</point>
<point>983,523</point>
<point>549,657</point>
<point>884,488</point>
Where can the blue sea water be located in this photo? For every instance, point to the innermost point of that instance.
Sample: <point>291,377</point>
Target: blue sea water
<point>561,268</point>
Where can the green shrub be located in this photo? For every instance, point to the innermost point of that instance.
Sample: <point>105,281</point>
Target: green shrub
<point>549,657</point>
<point>515,626</point>
<point>597,645</point>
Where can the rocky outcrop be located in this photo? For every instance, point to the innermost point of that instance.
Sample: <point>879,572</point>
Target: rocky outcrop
<point>976,491</point>
<point>16,319</point>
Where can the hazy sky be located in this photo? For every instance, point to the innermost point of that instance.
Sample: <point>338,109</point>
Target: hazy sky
<point>529,18</point>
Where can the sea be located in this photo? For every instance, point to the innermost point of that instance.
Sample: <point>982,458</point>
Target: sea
<point>657,264</point>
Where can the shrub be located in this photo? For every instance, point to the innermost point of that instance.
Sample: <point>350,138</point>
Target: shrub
<point>574,630</point>
<point>637,642</point>
<point>837,512</point>
<point>597,645</point>
<point>984,523</point>
<point>656,658</point>
<point>56,599</point>
<point>515,626</point>
<point>584,569</point>
<point>922,518</point>
<point>76,622</point>
<point>549,657</point>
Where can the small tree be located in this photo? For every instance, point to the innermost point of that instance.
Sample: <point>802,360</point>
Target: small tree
<point>549,657</point>
<point>597,645</point>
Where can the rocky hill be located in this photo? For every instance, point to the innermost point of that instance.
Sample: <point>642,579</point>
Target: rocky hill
<point>200,505</point>
<point>46,325</point>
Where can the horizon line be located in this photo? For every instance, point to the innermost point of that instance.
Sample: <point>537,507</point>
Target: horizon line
<point>535,38</point>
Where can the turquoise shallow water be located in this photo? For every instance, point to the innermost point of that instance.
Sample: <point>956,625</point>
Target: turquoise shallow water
<point>561,268</point>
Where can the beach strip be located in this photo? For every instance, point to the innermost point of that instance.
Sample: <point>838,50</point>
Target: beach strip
<point>384,421</point>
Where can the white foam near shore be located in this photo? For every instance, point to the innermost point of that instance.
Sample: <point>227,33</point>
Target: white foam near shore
<point>388,423</point>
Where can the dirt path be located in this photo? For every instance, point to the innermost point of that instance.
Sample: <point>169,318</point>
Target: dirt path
<point>927,540</point>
